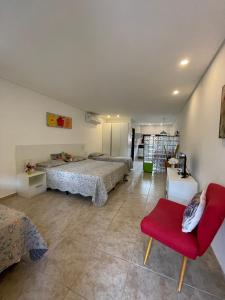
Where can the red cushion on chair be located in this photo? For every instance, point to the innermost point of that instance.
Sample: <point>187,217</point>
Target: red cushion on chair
<point>164,224</point>
<point>212,217</point>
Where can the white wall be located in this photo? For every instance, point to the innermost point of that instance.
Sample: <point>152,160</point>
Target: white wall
<point>199,126</point>
<point>23,122</point>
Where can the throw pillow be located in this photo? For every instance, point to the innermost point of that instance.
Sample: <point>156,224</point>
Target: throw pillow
<point>66,157</point>
<point>78,158</point>
<point>193,212</point>
<point>95,154</point>
<point>50,163</point>
<point>56,156</point>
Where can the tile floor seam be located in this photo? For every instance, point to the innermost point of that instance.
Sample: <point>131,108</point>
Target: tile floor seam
<point>133,254</point>
<point>125,283</point>
<point>137,265</point>
<point>203,291</point>
<point>149,189</point>
<point>173,279</point>
<point>75,281</point>
<point>76,293</point>
<point>161,274</point>
<point>115,215</point>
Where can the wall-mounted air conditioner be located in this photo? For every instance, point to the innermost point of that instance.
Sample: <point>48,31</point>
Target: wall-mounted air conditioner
<point>92,118</point>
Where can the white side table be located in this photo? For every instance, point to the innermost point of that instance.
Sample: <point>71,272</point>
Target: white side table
<point>31,185</point>
<point>180,189</point>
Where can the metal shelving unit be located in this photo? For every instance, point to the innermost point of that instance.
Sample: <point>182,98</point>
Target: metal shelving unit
<point>157,148</point>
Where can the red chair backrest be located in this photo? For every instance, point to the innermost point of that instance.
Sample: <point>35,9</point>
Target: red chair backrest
<point>212,217</point>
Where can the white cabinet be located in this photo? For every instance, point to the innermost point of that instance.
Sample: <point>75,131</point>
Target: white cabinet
<point>106,138</point>
<point>125,139</point>
<point>180,189</point>
<point>31,185</point>
<point>116,139</point>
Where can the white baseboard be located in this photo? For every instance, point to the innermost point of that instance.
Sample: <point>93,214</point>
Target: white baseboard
<point>7,195</point>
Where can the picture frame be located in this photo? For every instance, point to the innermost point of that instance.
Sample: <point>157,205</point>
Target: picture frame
<point>222,115</point>
<point>59,121</point>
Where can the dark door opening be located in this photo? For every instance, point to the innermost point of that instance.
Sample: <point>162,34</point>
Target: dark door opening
<point>132,144</point>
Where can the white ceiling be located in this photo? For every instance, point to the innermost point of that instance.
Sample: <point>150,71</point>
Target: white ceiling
<point>111,56</point>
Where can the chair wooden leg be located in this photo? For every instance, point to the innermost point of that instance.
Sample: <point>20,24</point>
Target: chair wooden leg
<point>182,273</point>
<point>148,250</point>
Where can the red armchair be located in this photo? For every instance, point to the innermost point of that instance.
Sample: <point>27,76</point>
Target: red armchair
<point>164,224</point>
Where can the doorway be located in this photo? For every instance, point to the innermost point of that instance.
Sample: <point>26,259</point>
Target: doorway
<point>132,144</point>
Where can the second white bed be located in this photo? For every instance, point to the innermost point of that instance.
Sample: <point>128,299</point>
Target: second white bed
<point>88,178</point>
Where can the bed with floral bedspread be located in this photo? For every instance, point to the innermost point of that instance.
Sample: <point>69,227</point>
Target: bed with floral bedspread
<point>87,178</point>
<point>122,159</point>
<point>18,237</point>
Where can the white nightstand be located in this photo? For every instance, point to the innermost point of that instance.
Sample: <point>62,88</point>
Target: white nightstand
<point>31,185</point>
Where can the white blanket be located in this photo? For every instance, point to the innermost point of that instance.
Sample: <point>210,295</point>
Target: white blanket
<point>126,160</point>
<point>87,177</point>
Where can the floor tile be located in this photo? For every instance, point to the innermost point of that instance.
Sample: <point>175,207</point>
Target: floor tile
<point>103,277</point>
<point>142,284</point>
<point>117,244</point>
<point>200,274</point>
<point>12,281</point>
<point>188,293</point>
<point>162,260</point>
<point>73,296</point>
<point>97,253</point>
<point>44,285</point>
<point>70,258</point>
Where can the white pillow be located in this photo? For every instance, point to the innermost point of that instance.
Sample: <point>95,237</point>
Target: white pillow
<point>50,163</point>
<point>95,154</point>
<point>193,212</point>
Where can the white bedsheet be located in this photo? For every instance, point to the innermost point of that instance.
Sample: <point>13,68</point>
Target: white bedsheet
<point>88,178</point>
<point>126,160</point>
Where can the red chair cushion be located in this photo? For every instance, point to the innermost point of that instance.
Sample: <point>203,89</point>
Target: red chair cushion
<point>164,224</point>
<point>212,217</point>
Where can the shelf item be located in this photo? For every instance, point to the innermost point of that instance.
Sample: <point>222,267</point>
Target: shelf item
<point>157,148</point>
<point>148,166</point>
<point>29,185</point>
<point>140,152</point>
<point>179,189</point>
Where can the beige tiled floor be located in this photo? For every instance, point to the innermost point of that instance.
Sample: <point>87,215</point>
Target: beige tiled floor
<point>97,253</point>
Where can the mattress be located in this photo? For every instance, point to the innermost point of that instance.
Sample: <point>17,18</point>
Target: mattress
<point>88,178</point>
<point>122,159</point>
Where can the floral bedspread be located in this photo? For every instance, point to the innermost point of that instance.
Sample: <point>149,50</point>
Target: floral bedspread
<point>88,178</point>
<point>18,237</point>
<point>126,160</point>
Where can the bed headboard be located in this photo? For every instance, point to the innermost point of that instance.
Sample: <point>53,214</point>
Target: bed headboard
<point>38,153</point>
